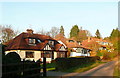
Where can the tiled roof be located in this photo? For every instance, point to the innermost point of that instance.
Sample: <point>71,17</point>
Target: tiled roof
<point>69,44</point>
<point>20,42</point>
<point>58,46</point>
<point>92,41</point>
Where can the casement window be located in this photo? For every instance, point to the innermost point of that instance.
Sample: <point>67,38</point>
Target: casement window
<point>29,54</point>
<point>61,54</point>
<point>31,41</point>
<point>46,54</point>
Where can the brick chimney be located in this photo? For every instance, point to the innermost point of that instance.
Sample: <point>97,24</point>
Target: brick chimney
<point>89,38</point>
<point>30,31</point>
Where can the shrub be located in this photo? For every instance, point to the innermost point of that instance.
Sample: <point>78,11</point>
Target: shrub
<point>66,63</point>
<point>11,58</point>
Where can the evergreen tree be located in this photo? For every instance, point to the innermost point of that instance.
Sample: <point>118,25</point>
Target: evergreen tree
<point>97,34</point>
<point>74,31</point>
<point>115,33</point>
<point>62,30</point>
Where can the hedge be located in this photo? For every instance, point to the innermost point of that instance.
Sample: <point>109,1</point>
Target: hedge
<point>66,63</point>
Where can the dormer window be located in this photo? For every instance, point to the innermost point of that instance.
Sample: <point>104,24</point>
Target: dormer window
<point>31,41</point>
<point>39,41</point>
<point>51,43</point>
<point>71,40</point>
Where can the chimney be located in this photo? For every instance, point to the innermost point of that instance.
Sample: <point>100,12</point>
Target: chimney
<point>30,31</point>
<point>89,38</point>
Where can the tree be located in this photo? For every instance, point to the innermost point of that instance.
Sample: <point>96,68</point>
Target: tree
<point>42,32</point>
<point>74,31</point>
<point>115,33</point>
<point>62,30</point>
<point>8,33</point>
<point>53,32</point>
<point>97,34</point>
<point>83,35</point>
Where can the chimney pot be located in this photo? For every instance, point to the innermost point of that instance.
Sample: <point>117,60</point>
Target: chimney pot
<point>30,31</point>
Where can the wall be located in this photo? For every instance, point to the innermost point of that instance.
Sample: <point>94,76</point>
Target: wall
<point>37,54</point>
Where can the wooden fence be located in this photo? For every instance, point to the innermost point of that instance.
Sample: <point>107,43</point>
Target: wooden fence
<point>24,69</point>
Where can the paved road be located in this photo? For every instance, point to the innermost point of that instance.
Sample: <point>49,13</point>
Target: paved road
<point>101,70</point>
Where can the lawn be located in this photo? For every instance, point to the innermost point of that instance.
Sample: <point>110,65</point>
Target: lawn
<point>50,66</point>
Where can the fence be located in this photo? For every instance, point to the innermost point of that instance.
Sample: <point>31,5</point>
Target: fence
<point>24,69</point>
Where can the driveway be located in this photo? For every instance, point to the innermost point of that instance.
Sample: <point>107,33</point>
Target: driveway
<point>101,70</point>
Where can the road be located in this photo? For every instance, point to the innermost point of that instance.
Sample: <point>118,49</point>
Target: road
<point>101,70</point>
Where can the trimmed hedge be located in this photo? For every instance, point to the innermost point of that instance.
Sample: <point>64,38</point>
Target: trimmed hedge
<point>66,63</point>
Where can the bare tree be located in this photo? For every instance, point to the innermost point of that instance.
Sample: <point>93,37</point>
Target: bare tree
<point>42,31</point>
<point>8,33</point>
<point>54,31</point>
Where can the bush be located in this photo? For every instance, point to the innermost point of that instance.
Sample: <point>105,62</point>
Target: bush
<point>11,58</point>
<point>66,63</point>
<point>108,55</point>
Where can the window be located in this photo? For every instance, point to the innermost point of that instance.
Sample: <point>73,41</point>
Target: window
<point>71,40</point>
<point>29,54</point>
<point>39,41</point>
<point>84,51</point>
<point>51,43</point>
<point>79,50</point>
<point>46,54</point>
<point>61,54</point>
<point>31,41</point>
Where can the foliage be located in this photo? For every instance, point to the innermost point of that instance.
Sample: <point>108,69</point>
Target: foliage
<point>97,34</point>
<point>108,55</point>
<point>83,35</point>
<point>11,58</point>
<point>115,33</point>
<point>74,31</point>
<point>62,30</point>
<point>115,39</point>
<point>52,33</point>
<point>99,53</point>
<point>14,63</point>
<point>66,63</point>
<point>116,72</point>
<point>8,33</point>
<point>84,67</point>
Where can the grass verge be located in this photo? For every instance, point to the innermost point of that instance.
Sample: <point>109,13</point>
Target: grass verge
<point>116,72</point>
<point>50,66</point>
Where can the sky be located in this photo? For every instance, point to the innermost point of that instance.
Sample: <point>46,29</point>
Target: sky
<point>45,15</point>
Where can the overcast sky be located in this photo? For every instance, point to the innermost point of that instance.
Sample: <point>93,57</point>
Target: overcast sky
<point>44,15</point>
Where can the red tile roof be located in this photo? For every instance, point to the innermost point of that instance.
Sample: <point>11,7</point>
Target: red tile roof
<point>20,42</point>
<point>69,44</point>
<point>92,40</point>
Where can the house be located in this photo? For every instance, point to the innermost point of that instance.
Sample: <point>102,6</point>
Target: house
<point>73,45</point>
<point>31,46</point>
<point>92,43</point>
